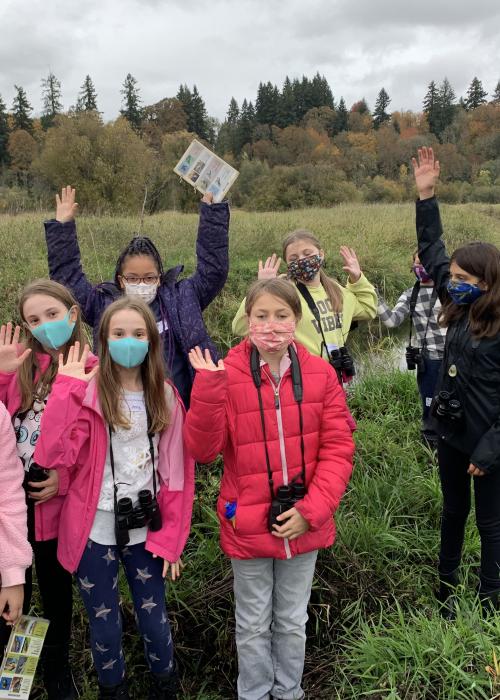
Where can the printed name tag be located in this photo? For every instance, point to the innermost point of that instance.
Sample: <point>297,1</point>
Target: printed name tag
<point>135,405</point>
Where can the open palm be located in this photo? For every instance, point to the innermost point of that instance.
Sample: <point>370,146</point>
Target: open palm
<point>66,207</point>
<point>426,170</point>
<point>10,358</point>
<point>201,361</point>
<point>75,365</point>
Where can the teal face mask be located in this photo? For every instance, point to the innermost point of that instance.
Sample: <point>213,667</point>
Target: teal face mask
<point>54,334</point>
<point>128,352</point>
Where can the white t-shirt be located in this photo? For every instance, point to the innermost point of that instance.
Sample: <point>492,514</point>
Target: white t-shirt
<point>27,429</point>
<point>133,470</point>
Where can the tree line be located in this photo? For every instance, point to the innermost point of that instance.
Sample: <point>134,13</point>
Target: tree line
<point>296,145</point>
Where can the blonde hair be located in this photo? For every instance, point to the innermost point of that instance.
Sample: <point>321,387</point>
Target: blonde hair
<point>280,288</point>
<point>32,382</point>
<point>152,371</point>
<point>332,288</point>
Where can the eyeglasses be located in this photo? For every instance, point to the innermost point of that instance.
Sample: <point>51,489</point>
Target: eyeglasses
<point>148,279</point>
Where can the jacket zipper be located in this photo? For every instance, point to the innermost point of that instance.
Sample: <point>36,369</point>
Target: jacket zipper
<point>281,436</point>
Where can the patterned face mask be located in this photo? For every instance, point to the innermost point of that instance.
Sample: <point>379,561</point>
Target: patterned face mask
<point>462,293</point>
<point>272,337</point>
<point>306,269</point>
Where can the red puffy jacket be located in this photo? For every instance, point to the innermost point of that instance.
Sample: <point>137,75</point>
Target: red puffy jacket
<point>224,416</point>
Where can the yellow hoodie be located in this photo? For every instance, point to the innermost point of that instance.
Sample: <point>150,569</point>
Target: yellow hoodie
<point>359,304</point>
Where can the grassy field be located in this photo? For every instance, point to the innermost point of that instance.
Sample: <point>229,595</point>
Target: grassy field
<point>374,629</point>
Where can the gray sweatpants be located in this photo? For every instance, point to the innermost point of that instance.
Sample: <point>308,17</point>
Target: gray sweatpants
<point>271,598</point>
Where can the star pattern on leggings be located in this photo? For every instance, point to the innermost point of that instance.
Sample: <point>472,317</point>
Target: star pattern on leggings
<point>101,648</point>
<point>153,657</point>
<point>148,604</point>
<point>126,552</point>
<point>108,665</point>
<point>164,619</point>
<point>115,582</point>
<point>102,611</point>
<point>143,575</point>
<point>86,585</point>
<point>109,557</point>
<point>147,639</point>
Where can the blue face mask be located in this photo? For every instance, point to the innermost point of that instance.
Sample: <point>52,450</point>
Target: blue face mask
<point>54,334</point>
<point>128,352</point>
<point>464,293</point>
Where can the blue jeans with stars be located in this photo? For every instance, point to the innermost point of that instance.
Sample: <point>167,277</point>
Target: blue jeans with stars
<point>97,578</point>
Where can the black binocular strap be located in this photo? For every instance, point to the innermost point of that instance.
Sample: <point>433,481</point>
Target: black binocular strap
<point>112,462</point>
<point>315,312</point>
<point>298,395</point>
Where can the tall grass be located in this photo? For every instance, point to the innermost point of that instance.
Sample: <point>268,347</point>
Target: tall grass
<point>374,629</point>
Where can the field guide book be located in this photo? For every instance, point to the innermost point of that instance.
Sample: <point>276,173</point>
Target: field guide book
<point>205,171</point>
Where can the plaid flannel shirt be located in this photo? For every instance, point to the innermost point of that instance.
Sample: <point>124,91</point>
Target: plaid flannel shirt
<point>426,329</point>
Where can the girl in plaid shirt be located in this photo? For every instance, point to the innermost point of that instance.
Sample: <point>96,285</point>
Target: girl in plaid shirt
<point>427,335</point>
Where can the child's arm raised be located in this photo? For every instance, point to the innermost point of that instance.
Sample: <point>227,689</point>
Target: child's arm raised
<point>395,317</point>
<point>63,252</point>
<point>15,551</point>
<point>205,429</point>
<point>212,251</point>
<point>431,249</point>
<point>62,433</point>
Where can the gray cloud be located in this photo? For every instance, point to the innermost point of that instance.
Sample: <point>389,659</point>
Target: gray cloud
<point>227,48</point>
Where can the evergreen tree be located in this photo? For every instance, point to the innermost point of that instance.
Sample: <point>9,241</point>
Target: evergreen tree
<point>342,117</point>
<point>447,106</point>
<point>496,95</point>
<point>51,98</point>
<point>476,95</point>
<point>246,125</point>
<point>21,110</point>
<point>184,97</point>
<point>287,112</point>
<point>267,105</point>
<point>131,108</point>
<point>233,113</point>
<point>87,98</point>
<point>320,92</point>
<point>4,134</point>
<point>229,129</point>
<point>431,107</point>
<point>379,113</point>
<point>197,115</point>
<point>361,106</point>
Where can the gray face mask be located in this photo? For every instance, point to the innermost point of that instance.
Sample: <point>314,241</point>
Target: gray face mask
<point>146,292</point>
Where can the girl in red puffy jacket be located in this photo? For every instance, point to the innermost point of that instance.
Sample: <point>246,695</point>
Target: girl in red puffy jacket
<point>278,415</point>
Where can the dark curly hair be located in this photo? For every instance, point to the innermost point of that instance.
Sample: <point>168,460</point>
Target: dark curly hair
<point>139,245</point>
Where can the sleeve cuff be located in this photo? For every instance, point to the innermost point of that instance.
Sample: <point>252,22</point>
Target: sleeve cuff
<point>14,576</point>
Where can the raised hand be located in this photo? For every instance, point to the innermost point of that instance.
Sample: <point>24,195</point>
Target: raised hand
<point>10,360</point>
<point>208,198</point>
<point>199,361</point>
<point>351,263</point>
<point>269,270</point>
<point>66,207</point>
<point>426,170</point>
<point>75,365</point>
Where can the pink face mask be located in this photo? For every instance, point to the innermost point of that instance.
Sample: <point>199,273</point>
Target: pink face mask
<point>272,337</point>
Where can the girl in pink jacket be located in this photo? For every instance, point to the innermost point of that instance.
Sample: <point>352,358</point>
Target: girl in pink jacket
<point>15,551</point>
<point>278,415</point>
<point>51,320</point>
<point>131,490</point>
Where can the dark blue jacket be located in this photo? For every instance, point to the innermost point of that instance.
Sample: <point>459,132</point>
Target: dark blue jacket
<point>179,303</point>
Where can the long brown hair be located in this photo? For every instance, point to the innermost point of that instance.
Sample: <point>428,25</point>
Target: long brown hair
<point>332,288</point>
<point>152,371</point>
<point>280,288</point>
<point>483,261</point>
<point>32,382</point>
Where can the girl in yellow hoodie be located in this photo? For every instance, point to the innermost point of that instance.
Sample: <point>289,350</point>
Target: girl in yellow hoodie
<point>328,308</point>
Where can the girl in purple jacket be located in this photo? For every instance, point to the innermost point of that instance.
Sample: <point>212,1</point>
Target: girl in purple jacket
<point>131,492</point>
<point>177,304</point>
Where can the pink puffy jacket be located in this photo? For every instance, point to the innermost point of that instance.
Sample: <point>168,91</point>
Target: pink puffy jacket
<point>224,416</point>
<point>47,513</point>
<point>73,431</point>
<point>15,551</point>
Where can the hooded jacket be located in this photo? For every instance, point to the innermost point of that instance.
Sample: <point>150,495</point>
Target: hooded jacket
<point>471,366</point>
<point>179,303</point>
<point>73,431</point>
<point>225,417</point>
<point>46,513</point>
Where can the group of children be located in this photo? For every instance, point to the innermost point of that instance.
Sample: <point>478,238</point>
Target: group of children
<point>106,449</point>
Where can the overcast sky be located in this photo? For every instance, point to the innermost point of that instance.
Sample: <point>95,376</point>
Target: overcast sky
<point>227,47</point>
